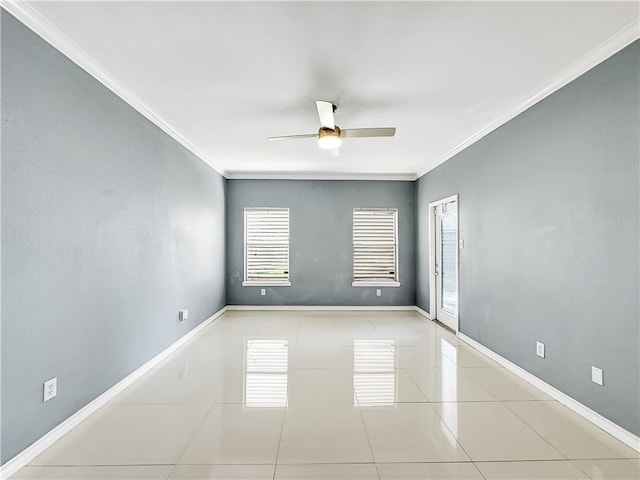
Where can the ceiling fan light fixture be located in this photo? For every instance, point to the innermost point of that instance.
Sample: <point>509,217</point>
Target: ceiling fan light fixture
<point>329,138</point>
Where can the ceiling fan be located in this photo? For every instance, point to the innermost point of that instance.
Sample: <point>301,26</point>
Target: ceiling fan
<point>330,135</point>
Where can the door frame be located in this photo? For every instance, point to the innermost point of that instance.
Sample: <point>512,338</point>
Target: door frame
<point>433,308</point>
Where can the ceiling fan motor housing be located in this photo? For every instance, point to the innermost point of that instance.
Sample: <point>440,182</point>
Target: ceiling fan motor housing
<point>329,138</point>
<point>329,132</point>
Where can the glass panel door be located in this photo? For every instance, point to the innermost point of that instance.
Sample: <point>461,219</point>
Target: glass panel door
<point>449,262</point>
<point>446,263</point>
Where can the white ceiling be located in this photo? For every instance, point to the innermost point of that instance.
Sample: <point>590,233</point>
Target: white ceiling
<point>223,76</point>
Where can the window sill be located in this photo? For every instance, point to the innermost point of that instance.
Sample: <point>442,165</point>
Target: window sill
<point>254,283</point>
<point>375,284</point>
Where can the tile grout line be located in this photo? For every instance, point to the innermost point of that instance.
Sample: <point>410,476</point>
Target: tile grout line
<point>204,418</point>
<point>478,470</point>
<point>533,429</point>
<point>503,402</point>
<point>195,431</point>
<point>391,350</point>
<point>364,425</point>
<point>451,433</point>
<point>548,460</point>
<point>275,466</point>
<point>475,463</point>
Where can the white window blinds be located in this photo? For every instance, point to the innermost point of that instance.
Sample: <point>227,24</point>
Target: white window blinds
<point>266,245</point>
<point>374,245</point>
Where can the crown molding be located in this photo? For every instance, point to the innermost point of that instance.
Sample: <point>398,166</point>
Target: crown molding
<point>58,40</point>
<point>401,177</point>
<point>599,54</point>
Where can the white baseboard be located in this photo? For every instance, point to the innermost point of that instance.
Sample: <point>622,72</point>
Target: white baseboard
<point>39,446</point>
<point>427,315</point>
<point>605,424</point>
<point>321,307</point>
<point>32,451</point>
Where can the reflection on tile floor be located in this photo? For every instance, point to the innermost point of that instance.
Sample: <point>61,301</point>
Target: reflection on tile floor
<point>332,395</point>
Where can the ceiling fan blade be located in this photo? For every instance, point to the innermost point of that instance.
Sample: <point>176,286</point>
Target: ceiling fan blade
<point>304,135</point>
<point>368,132</point>
<point>325,112</point>
<point>334,152</point>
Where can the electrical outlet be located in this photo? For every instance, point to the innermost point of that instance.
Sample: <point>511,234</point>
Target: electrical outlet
<point>597,376</point>
<point>50,389</point>
<point>378,292</point>
<point>263,291</point>
<point>540,349</point>
<point>183,314</point>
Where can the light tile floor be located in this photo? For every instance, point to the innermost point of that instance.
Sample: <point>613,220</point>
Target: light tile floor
<point>332,395</point>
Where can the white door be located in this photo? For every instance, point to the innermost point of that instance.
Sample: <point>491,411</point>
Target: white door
<point>446,263</point>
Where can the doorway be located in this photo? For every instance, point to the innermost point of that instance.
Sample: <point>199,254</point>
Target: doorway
<point>443,261</point>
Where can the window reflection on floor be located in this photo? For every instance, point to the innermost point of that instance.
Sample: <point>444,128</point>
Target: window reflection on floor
<point>449,389</point>
<point>374,375</point>
<point>265,378</point>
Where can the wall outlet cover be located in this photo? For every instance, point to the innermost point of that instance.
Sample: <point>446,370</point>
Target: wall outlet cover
<point>540,349</point>
<point>50,389</point>
<point>378,292</point>
<point>183,314</point>
<point>263,291</point>
<point>597,376</point>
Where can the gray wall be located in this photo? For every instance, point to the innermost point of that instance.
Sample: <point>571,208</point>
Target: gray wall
<point>321,248</point>
<point>549,208</point>
<point>108,228</point>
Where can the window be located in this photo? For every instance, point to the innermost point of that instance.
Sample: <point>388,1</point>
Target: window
<point>266,246</point>
<point>375,247</point>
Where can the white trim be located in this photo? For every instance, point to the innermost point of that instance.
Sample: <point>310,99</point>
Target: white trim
<point>396,275</point>
<point>320,307</point>
<point>267,282</point>
<point>598,420</point>
<point>432,256</point>
<point>401,177</point>
<point>58,40</point>
<point>253,283</point>
<point>54,36</point>
<point>596,56</point>
<point>425,314</point>
<point>49,438</point>
<point>375,284</point>
<point>433,306</point>
<point>23,458</point>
